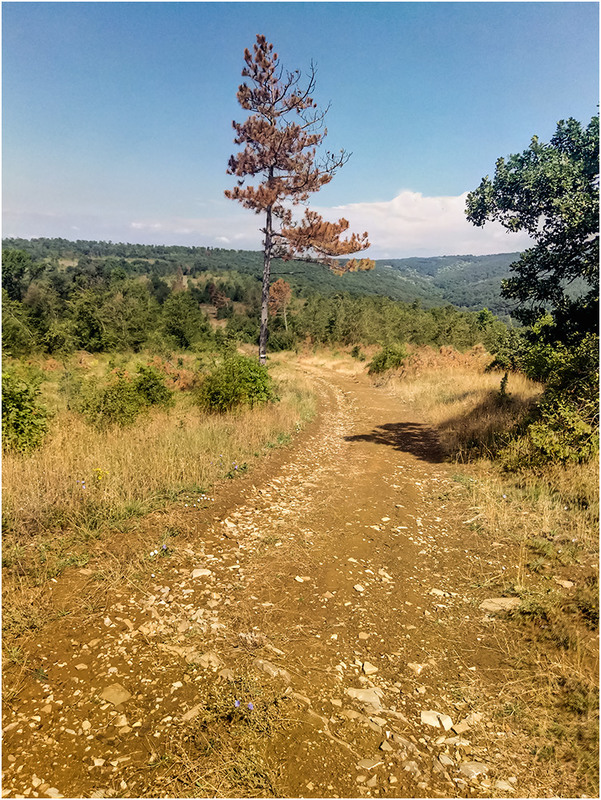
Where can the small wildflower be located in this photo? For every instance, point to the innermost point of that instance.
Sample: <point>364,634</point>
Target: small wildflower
<point>251,707</point>
<point>164,547</point>
<point>237,704</point>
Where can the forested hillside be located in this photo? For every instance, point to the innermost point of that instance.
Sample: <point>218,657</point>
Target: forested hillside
<point>470,282</point>
<point>62,296</point>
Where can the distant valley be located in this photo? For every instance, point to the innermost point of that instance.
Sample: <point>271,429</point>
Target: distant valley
<point>465,281</point>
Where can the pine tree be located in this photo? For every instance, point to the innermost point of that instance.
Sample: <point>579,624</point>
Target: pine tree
<point>280,139</point>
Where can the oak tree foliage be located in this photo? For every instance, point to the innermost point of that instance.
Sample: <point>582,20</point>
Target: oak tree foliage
<point>280,141</point>
<point>550,191</point>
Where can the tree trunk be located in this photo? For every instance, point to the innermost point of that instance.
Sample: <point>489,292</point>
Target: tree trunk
<point>285,320</point>
<point>267,246</point>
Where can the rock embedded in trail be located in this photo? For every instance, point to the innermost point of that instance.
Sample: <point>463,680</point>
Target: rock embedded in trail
<point>436,719</point>
<point>368,697</point>
<point>210,660</point>
<point>270,669</point>
<point>369,669</point>
<point>503,786</point>
<point>471,769</point>
<point>115,694</point>
<point>201,572</point>
<point>494,604</point>
<point>369,763</point>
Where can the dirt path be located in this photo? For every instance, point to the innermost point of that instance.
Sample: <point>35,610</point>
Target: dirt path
<point>337,587</point>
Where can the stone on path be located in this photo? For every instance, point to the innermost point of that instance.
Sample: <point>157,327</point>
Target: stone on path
<point>358,588</point>
<point>115,694</point>
<point>271,669</point>
<point>369,763</point>
<point>430,718</point>
<point>435,718</point>
<point>494,604</point>
<point>369,669</point>
<point>503,786</point>
<point>193,712</point>
<point>471,769</point>
<point>201,573</point>
<point>368,697</point>
<point>565,584</point>
<point>211,660</point>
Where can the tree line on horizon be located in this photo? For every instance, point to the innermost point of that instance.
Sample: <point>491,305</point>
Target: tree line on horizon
<point>106,304</point>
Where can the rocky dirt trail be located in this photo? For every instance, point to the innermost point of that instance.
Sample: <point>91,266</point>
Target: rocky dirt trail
<point>342,575</point>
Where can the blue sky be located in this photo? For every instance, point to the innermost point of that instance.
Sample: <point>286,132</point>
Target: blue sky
<point>117,116</point>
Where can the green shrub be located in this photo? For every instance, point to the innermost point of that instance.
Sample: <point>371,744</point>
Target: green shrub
<point>282,340</point>
<point>150,386</point>
<point>391,357</point>
<point>121,400</point>
<point>237,381</point>
<point>116,403</point>
<point>24,420</point>
<point>357,353</point>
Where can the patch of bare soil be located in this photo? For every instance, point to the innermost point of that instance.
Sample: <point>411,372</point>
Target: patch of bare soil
<point>314,631</point>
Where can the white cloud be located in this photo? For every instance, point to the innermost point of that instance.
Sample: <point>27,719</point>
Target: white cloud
<point>408,225</point>
<point>413,225</point>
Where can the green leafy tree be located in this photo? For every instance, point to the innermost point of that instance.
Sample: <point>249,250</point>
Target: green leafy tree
<point>183,321</point>
<point>550,191</point>
<point>18,330</point>
<point>280,140</point>
<point>15,265</point>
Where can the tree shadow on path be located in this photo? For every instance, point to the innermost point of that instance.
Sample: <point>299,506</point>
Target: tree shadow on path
<point>406,437</point>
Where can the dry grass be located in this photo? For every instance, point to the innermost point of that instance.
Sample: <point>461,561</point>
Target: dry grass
<point>223,753</point>
<point>83,478</point>
<point>549,519</point>
<point>454,393</point>
<point>63,504</point>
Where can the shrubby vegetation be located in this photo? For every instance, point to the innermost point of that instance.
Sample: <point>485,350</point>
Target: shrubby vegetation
<point>238,381</point>
<point>105,303</point>
<point>391,357</point>
<point>123,398</point>
<point>24,418</point>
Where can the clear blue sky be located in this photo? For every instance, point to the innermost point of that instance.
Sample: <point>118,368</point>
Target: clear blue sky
<point>117,116</point>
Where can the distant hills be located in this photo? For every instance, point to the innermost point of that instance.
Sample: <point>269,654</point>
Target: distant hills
<point>465,281</point>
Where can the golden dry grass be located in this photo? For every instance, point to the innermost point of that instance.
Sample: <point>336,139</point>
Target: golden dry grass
<point>462,400</point>
<point>550,518</point>
<point>131,470</point>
